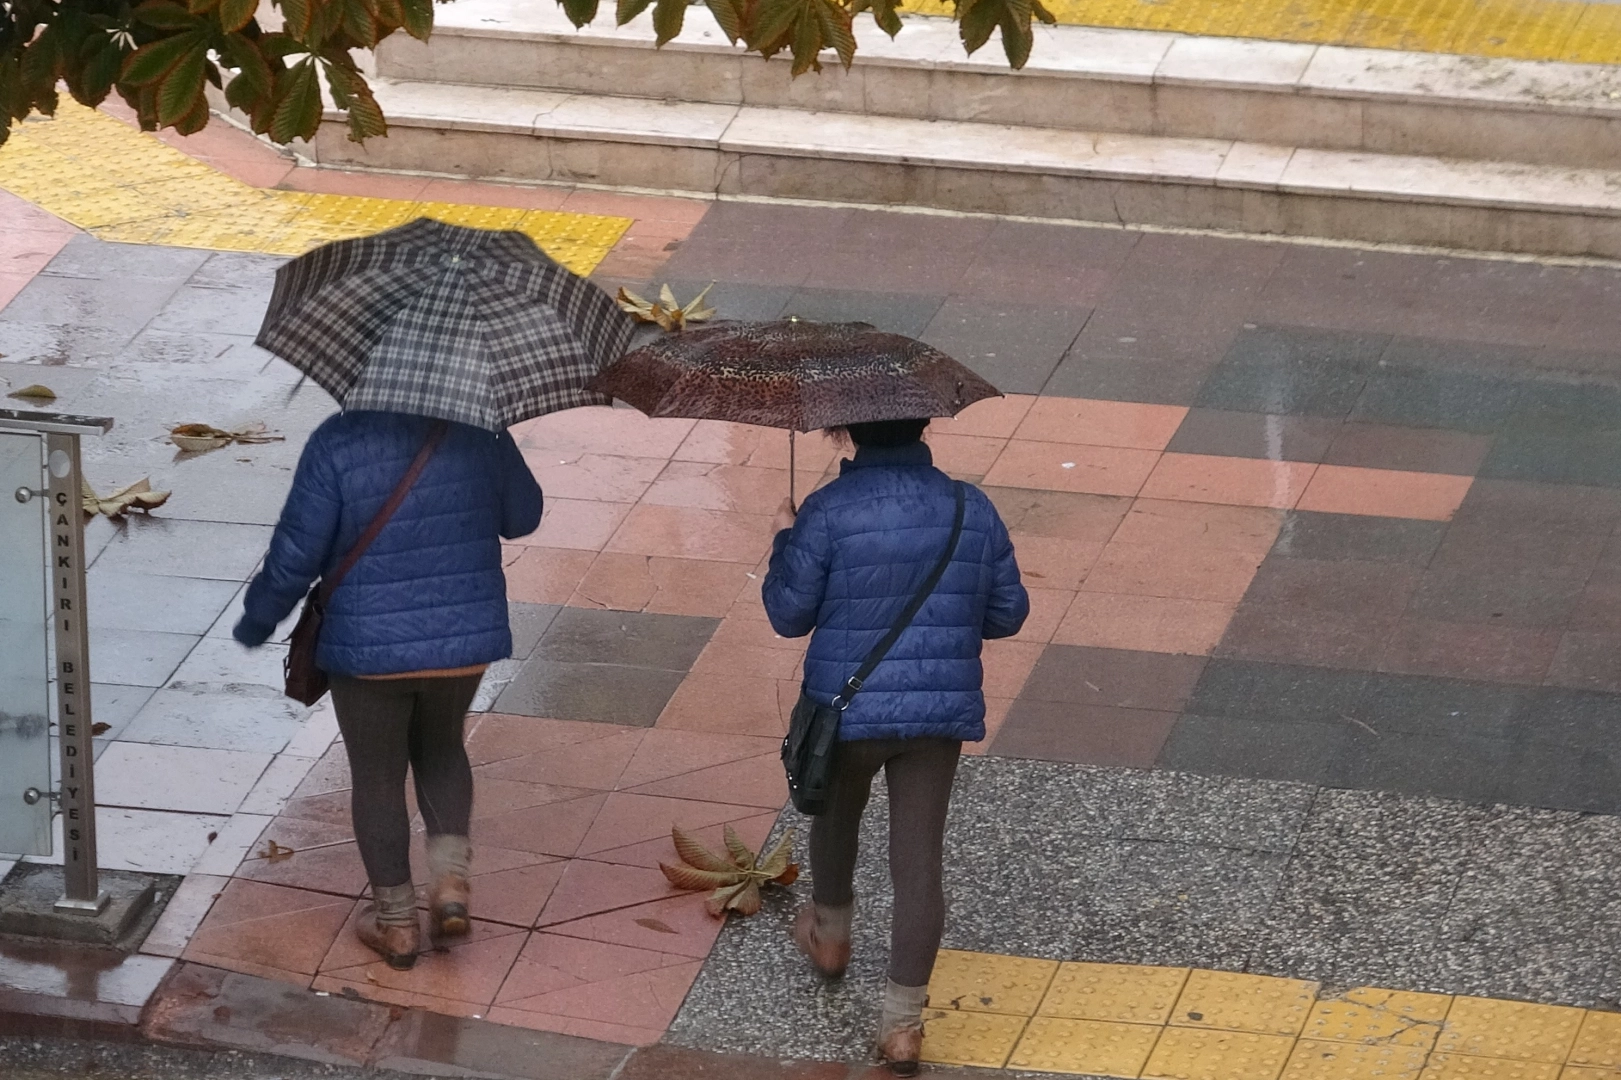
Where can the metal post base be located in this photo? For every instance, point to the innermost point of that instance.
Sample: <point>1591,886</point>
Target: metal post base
<point>83,907</point>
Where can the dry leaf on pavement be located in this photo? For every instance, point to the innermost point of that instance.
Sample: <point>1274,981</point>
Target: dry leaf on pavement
<point>735,877</point>
<point>35,392</point>
<point>137,496</point>
<point>666,311</point>
<point>274,852</point>
<point>196,438</point>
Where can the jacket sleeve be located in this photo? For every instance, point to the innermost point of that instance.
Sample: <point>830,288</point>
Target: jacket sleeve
<point>521,500</point>
<point>1009,604</point>
<point>300,548</point>
<point>797,576</point>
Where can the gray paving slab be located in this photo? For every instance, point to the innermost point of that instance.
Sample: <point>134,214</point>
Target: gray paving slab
<point>83,256</point>
<point>252,718</point>
<point>214,309</point>
<point>1293,370</point>
<point>122,600</point>
<point>137,657</point>
<point>164,546</point>
<point>1014,346</point>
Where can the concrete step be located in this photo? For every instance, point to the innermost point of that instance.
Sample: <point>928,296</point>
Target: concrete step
<point>742,150</point>
<point>1079,79</point>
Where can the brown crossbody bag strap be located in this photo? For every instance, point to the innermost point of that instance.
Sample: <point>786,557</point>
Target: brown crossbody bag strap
<point>305,681</point>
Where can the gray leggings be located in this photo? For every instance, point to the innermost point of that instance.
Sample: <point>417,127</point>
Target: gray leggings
<point>390,725</point>
<point>919,773</point>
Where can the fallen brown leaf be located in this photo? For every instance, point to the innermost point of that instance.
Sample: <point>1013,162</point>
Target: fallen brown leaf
<point>735,878</point>
<point>197,438</point>
<point>137,496</point>
<point>657,925</point>
<point>35,392</point>
<point>666,310</point>
<point>274,852</point>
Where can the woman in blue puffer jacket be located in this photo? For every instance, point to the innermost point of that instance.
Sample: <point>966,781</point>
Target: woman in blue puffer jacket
<point>845,568</point>
<point>407,634</point>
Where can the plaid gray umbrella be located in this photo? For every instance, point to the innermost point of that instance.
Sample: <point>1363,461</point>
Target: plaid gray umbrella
<point>472,325</point>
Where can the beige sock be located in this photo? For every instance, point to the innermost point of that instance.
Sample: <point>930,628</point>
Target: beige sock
<point>396,904</point>
<point>903,1007</point>
<point>833,923</point>
<point>449,855</point>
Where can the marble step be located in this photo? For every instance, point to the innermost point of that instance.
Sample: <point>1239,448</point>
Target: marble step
<point>735,150</point>
<point>1078,78</point>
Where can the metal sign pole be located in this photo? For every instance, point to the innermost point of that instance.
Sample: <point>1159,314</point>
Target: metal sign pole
<point>82,892</point>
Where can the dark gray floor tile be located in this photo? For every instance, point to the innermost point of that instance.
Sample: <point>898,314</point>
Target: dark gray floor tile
<point>1588,457</point>
<point>1413,396</point>
<point>1563,406</point>
<point>1292,370</point>
<point>258,719</point>
<point>529,622</point>
<point>208,309</point>
<point>1426,705</point>
<point>137,657</point>
<point>1524,598</point>
<point>1259,749</point>
<point>1254,435</point>
<point>730,299</point>
<point>1307,534</point>
<point>1340,585</point>
<point>896,313</point>
<point>1288,693</point>
<point>1015,347</point>
<point>124,600</point>
<point>1156,382</point>
<point>604,693</point>
<point>1555,508</point>
<point>1449,764</point>
<point>1486,548</point>
<point>83,256</point>
<point>1433,450</point>
<point>176,548</point>
<point>1441,354</point>
<point>599,636</point>
<point>1090,734</point>
<point>1121,678</point>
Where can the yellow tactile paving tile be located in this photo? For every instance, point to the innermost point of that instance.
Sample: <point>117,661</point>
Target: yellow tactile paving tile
<point>1087,1047</point>
<point>1515,1030</point>
<point>1522,29</point>
<point>98,173</point>
<point>1328,1060</point>
<point>1198,1054</point>
<point>1124,993</point>
<point>1232,1001</point>
<point>1380,1017</point>
<point>1598,1043</point>
<point>1589,1072</point>
<point>982,982</point>
<point>1465,1067</point>
<point>981,1039</point>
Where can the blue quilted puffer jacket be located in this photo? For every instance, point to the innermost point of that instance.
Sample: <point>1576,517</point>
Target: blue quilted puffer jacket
<point>860,548</point>
<point>429,592</point>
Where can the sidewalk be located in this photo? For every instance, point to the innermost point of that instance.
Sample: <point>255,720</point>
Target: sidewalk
<point>1321,681</point>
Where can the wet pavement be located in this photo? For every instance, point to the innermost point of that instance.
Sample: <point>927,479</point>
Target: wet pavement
<point>1322,680</point>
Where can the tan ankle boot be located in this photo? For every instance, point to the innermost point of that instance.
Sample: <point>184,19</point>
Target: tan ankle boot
<point>389,926</point>
<point>900,1028</point>
<point>449,893</point>
<point>823,934</point>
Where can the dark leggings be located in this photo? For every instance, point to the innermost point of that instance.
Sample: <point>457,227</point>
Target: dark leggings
<point>389,725</point>
<point>919,773</point>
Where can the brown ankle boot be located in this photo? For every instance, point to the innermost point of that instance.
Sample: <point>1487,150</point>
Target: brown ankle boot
<point>389,926</point>
<point>828,950</point>
<point>900,1028</point>
<point>449,893</point>
<point>901,1049</point>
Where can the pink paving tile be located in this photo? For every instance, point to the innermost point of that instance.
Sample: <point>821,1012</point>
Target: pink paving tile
<point>630,818</point>
<point>1513,654</point>
<point>591,888</point>
<point>478,193</point>
<point>588,763</point>
<point>617,581</point>
<point>324,857</point>
<point>23,216</point>
<point>337,182</point>
<point>568,1025</point>
<point>1235,481</point>
<point>709,486</point>
<point>965,455</point>
<point>1344,489</point>
<point>654,207</point>
<point>546,575</point>
<point>578,523</point>
<point>1047,608</point>
<point>1145,623</point>
<point>728,704</point>
<point>493,737</point>
<point>997,417</point>
<point>466,970</point>
<point>553,829</point>
<point>601,429</point>
<point>269,930</point>
<point>732,657</point>
<point>1008,664</point>
<point>487,858</point>
<point>996,710</point>
<point>753,831</point>
<point>597,477</point>
<point>255,172</point>
<point>626,582</point>
<point>516,897</point>
<point>665,753</point>
<point>1101,423</point>
<point>551,962</point>
<point>678,924</point>
<point>756,781</point>
<point>11,285</point>
<point>693,534</point>
<point>1051,466</point>
<point>27,250</point>
<point>1249,529</point>
<point>1053,562</point>
<point>723,443</point>
<point>1182,570</point>
<point>499,795</point>
<point>331,807</point>
<point>646,999</point>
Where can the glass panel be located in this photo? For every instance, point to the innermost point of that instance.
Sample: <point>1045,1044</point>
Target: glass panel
<point>25,748</point>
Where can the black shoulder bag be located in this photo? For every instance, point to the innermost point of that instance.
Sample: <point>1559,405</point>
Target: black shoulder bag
<point>813,730</point>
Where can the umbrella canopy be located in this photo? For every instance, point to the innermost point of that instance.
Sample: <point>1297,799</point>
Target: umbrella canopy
<point>792,374</point>
<point>473,325</point>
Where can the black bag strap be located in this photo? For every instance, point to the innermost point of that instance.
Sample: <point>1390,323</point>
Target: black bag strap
<point>330,583</point>
<point>902,621</point>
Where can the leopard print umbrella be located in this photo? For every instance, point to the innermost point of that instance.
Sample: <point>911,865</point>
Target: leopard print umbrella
<point>792,374</point>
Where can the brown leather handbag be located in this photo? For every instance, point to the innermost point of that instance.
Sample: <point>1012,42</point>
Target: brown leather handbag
<point>305,681</point>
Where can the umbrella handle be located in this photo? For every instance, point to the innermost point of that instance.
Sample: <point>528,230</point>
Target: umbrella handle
<point>794,506</point>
